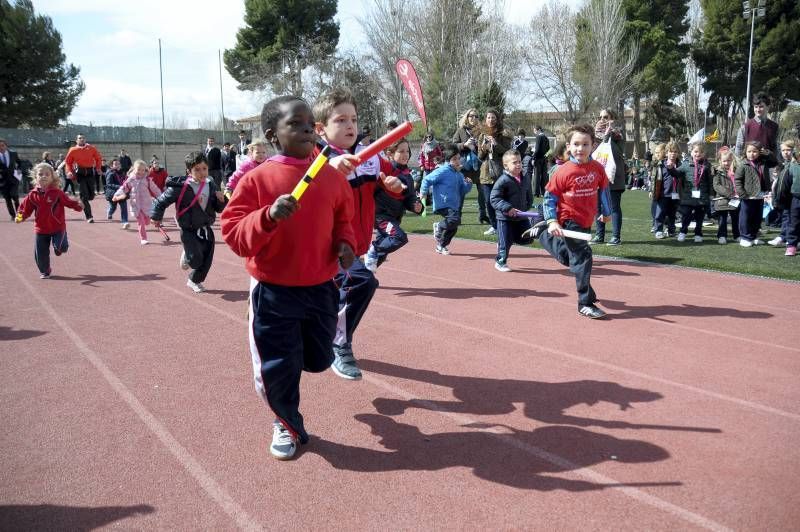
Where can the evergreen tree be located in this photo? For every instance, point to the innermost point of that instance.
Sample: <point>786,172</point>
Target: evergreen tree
<point>37,87</point>
<point>280,39</point>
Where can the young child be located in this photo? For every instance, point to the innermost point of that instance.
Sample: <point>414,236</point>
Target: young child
<point>560,156</point>
<point>114,180</point>
<point>570,202</point>
<point>666,190</point>
<point>726,200</point>
<point>512,192</point>
<point>787,195</point>
<point>448,186</point>
<point>157,174</point>
<point>787,158</point>
<point>196,199</point>
<point>337,122</point>
<point>293,299</point>
<point>389,209</point>
<point>752,183</point>
<point>47,200</point>
<point>256,154</point>
<point>694,182</point>
<point>141,190</point>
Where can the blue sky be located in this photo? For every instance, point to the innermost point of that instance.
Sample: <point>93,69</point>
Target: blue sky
<point>115,44</point>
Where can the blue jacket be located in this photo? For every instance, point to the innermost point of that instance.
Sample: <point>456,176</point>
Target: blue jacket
<point>448,186</point>
<point>508,193</point>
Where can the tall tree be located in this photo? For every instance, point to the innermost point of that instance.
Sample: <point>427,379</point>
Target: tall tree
<point>659,27</point>
<point>280,39</point>
<point>37,87</point>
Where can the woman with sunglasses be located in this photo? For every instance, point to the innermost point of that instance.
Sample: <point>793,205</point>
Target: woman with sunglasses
<point>605,129</point>
<point>466,139</point>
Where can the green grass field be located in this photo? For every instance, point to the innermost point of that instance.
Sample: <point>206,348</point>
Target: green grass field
<point>638,243</point>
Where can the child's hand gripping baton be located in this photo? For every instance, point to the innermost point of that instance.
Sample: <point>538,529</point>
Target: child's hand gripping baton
<point>385,141</point>
<point>568,233</point>
<point>311,173</point>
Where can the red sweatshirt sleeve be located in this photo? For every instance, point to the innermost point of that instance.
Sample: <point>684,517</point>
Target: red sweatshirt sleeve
<point>69,202</point>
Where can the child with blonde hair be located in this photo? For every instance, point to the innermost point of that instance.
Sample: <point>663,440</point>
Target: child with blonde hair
<point>256,154</point>
<point>726,200</point>
<point>47,201</point>
<point>141,190</point>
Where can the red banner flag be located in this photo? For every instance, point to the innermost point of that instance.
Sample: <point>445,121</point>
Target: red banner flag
<point>411,82</point>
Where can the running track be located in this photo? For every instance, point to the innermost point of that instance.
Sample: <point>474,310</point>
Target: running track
<point>487,402</point>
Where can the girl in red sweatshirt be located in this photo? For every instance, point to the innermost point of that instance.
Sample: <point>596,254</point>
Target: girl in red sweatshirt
<point>47,201</point>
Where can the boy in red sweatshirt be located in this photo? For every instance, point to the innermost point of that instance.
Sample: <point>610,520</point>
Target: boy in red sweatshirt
<point>337,123</point>
<point>292,255</point>
<point>47,200</point>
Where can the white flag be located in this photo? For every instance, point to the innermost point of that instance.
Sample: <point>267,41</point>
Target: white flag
<point>698,137</point>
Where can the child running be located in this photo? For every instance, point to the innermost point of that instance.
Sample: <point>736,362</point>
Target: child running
<point>196,199</point>
<point>256,154</point>
<point>570,202</point>
<point>291,255</point>
<point>449,187</point>
<point>141,190</point>
<point>511,193</point>
<point>389,209</point>
<point>114,180</point>
<point>47,201</point>
<point>337,121</point>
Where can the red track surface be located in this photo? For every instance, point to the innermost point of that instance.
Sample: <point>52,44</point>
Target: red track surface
<point>488,402</point>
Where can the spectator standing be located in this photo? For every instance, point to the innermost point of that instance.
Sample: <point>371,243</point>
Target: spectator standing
<point>759,128</point>
<point>125,161</point>
<point>540,148</point>
<point>608,129</point>
<point>9,182</point>
<point>492,144</point>
<point>466,139</point>
<point>214,157</point>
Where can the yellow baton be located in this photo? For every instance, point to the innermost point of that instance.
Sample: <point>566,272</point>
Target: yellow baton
<point>311,173</point>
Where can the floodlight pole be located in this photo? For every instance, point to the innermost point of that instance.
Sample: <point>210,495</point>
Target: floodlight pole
<point>163,120</point>
<point>753,11</point>
<point>221,101</point>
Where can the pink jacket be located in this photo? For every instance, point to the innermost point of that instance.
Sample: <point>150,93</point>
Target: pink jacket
<point>142,191</point>
<point>245,167</point>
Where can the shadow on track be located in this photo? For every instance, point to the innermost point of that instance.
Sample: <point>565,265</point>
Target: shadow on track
<point>53,517</point>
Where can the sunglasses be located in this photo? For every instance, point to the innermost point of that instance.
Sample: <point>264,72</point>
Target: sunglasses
<point>472,116</point>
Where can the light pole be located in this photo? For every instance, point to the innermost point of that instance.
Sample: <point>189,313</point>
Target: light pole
<point>751,12</point>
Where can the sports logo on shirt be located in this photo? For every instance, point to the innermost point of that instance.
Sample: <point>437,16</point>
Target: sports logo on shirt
<point>587,179</point>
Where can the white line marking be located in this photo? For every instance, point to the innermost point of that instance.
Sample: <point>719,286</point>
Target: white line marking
<point>217,493</point>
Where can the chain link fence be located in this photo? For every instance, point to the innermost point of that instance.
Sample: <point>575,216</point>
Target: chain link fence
<point>65,136</point>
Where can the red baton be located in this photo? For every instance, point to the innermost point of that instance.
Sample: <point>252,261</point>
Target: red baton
<point>385,141</point>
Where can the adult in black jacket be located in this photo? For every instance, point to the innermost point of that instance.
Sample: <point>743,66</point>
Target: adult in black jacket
<point>197,200</point>
<point>9,185</point>
<point>125,162</point>
<point>214,158</point>
<point>511,193</point>
<point>540,148</point>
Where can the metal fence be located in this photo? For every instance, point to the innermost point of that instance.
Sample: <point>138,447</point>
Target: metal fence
<point>65,136</point>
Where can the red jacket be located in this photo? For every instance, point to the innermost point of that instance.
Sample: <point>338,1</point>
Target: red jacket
<point>301,250</point>
<point>363,183</point>
<point>48,204</point>
<point>159,177</point>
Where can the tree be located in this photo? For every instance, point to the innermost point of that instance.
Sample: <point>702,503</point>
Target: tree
<point>776,61</point>
<point>658,26</point>
<point>552,31</point>
<point>280,39</point>
<point>37,87</point>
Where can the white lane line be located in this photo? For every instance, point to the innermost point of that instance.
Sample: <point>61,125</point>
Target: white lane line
<point>586,360</point>
<point>554,301</point>
<point>214,490</point>
<point>570,468</point>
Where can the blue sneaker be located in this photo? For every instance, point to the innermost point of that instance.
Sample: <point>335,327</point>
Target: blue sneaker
<point>344,363</point>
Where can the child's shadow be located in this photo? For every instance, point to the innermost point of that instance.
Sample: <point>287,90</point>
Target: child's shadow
<point>546,402</point>
<point>493,456</point>
<point>9,334</point>
<point>35,516</point>
<point>91,280</point>
<point>657,311</point>
<point>231,295</point>
<point>469,293</point>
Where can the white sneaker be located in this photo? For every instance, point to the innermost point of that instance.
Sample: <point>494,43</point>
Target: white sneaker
<point>698,239</point>
<point>442,250</point>
<point>659,235</point>
<point>757,242</point>
<point>184,264</point>
<point>501,267</point>
<point>745,243</point>
<point>144,242</point>
<point>722,240</point>
<point>777,241</point>
<point>196,287</point>
<point>371,259</point>
<point>283,444</point>
<point>125,225</point>
<point>681,237</point>
<point>489,232</point>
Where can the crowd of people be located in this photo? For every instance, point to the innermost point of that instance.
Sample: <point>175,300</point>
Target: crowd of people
<point>306,302</point>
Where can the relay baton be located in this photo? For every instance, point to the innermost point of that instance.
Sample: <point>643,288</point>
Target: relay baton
<point>385,141</point>
<point>311,173</point>
<point>163,232</point>
<point>577,235</point>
